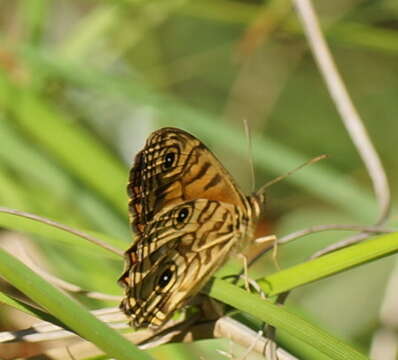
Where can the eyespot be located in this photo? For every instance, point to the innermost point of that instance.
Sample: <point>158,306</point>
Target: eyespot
<point>182,215</point>
<point>168,160</point>
<point>165,278</point>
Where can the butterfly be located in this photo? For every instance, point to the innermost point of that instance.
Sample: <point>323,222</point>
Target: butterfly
<point>188,216</point>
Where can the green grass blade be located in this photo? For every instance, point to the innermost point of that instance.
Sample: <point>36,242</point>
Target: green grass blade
<point>71,313</point>
<point>35,13</point>
<point>76,150</point>
<point>89,30</point>
<point>301,274</point>
<point>282,319</point>
<point>330,264</point>
<point>57,181</point>
<point>10,194</point>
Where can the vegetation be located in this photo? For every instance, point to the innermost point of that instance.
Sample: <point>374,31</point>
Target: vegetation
<point>82,84</point>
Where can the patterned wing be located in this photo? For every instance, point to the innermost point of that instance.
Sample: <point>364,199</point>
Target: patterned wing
<point>181,248</point>
<point>174,167</point>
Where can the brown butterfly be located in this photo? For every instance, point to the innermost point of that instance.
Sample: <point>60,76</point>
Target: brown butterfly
<point>189,217</point>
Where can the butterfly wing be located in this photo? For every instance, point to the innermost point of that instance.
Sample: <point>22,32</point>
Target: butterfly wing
<point>174,167</point>
<point>180,250</point>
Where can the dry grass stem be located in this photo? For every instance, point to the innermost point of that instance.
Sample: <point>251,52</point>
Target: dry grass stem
<point>63,227</point>
<point>62,284</point>
<point>224,327</point>
<point>344,105</point>
<point>229,328</point>
<point>45,331</point>
<point>333,227</point>
<point>365,231</point>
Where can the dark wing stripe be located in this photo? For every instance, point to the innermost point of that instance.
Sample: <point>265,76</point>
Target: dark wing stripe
<point>213,182</point>
<point>200,173</point>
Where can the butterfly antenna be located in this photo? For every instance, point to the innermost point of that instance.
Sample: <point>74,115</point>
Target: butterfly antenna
<point>250,154</point>
<point>281,177</point>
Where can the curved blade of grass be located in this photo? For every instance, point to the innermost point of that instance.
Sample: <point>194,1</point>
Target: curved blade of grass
<point>17,223</point>
<point>71,313</point>
<point>301,274</point>
<point>330,264</point>
<point>282,319</point>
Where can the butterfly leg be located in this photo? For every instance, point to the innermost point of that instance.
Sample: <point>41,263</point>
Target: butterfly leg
<point>248,282</point>
<point>246,354</point>
<point>270,350</point>
<point>271,238</point>
<point>245,271</point>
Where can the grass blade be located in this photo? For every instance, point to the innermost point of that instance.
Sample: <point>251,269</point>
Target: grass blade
<point>282,319</point>
<point>71,313</point>
<point>330,264</point>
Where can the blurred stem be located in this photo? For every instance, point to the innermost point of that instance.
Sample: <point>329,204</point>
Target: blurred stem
<point>353,34</point>
<point>238,12</point>
<point>95,27</point>
<point>89,30</point>
<point>34,15</point>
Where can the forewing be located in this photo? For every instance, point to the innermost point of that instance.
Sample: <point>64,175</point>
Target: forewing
<point>172,168</point>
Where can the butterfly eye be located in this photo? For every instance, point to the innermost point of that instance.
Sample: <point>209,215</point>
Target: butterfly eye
<point>169,160</point>
<point>165,278</point>
<point>182,215</point>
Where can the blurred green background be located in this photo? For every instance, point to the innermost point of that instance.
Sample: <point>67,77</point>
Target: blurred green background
<point>83,83</point>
